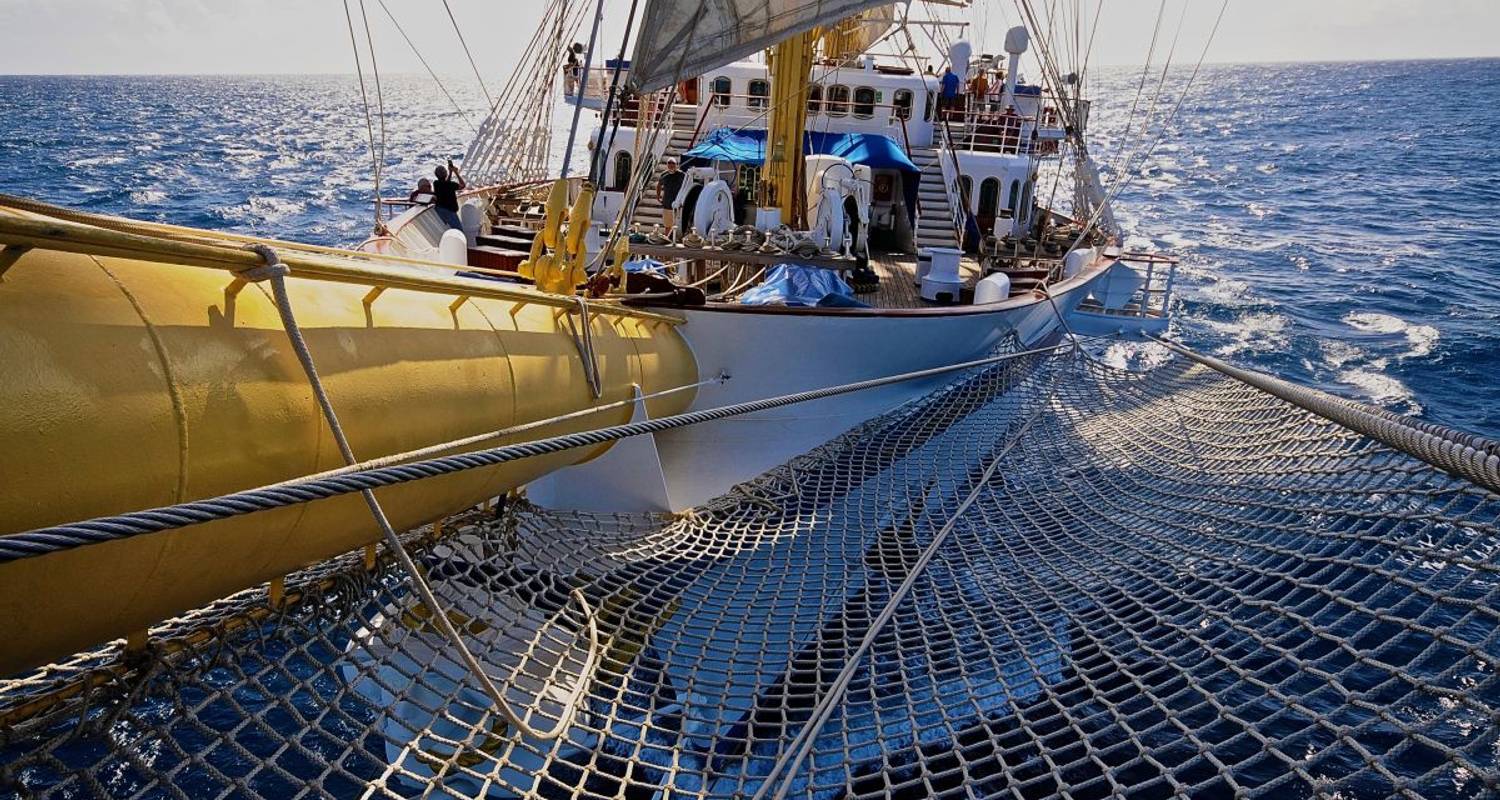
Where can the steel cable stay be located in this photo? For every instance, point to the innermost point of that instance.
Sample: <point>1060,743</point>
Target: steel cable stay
<point>275,273</point>
<point>62,537</point>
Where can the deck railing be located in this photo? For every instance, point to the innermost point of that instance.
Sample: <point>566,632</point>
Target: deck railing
<point>981,126</point>
<point>1138,285</point>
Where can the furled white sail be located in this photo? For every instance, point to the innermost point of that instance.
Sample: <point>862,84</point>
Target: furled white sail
<point>685,38</point>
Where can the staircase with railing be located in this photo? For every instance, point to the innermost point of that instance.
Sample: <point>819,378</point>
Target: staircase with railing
<point>685,122</point>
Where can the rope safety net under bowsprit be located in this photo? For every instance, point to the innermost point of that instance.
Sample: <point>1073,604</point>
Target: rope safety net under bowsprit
<point>1051,578</point>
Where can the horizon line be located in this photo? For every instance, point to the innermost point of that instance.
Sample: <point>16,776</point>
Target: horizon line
<point>1269,62</point>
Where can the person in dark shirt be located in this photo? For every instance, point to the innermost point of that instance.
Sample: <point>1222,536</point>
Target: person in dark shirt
<point>667,189</point>
<point>445,194</point>
<point>572,70</point>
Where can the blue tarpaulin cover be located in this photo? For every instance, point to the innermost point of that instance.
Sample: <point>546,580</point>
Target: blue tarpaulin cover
<point>878,151</point>
<point>749,147</point>
<point>644,264</point>
<point>796,285</point>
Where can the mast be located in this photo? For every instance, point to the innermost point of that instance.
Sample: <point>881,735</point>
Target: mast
<point>790,64</point>
<point>782,176</point>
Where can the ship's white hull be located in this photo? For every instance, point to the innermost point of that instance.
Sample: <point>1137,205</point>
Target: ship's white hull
<point>766,353</point>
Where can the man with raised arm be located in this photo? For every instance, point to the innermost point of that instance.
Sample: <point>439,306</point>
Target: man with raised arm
<point>445,194</point>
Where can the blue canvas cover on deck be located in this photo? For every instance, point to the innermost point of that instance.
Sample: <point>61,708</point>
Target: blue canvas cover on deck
<point>875,150</point>
<point>796,285</point>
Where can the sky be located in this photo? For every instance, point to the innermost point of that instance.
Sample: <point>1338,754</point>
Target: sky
<point>311,36</point>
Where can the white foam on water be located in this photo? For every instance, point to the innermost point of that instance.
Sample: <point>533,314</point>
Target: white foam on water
<point>1257,332</point>
<point>1260,210</point>
<point>263,209</point>
<point>1421,339</point>
<point>1379,387</point>
<point>96,161</point>
<point>1337,353</point>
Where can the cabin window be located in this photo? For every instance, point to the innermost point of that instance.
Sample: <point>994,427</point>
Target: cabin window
<point>902,101</point>
<point>623,165</point>
<point>722,88</point>
<point>864,102</point>
<point>838,100</point>
<point>1015,193</point>
<point>989,197</point>
<point>1025,211</point>
<point>966,192</point>
<point>927,106</point>
<point>759,91</point>
<point>814,99</point>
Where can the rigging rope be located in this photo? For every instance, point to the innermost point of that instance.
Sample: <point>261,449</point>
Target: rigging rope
<point>365,98</point>
<point>583,81</point>
<point>478,77</point>
<point>380,101</point>
<point>596,169</point>
<point>418,53</point>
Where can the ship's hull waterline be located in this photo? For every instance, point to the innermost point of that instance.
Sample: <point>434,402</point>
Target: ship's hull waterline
<point>131,383</point>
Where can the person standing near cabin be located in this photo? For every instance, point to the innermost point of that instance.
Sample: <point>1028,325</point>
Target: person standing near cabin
<point>445,194</point>
<point>667,188</point>
<point>980,89</point>
<point>949,84</point>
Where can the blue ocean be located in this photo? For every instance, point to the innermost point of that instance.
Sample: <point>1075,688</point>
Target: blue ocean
<point>1337,222</point>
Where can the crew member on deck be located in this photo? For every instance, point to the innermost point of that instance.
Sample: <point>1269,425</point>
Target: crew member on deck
<point>445,194</point>
<point>572,69</point>
<point>666,191</point>
<point>980,89</point>
<point>949,83</point>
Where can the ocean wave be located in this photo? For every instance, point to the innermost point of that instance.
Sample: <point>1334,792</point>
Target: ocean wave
<point>262,210</point>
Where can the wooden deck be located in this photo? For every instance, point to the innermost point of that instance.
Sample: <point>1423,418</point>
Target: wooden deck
<point>898,287</point>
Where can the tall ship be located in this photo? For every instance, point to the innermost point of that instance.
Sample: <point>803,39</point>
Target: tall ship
<point>761,450</point>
